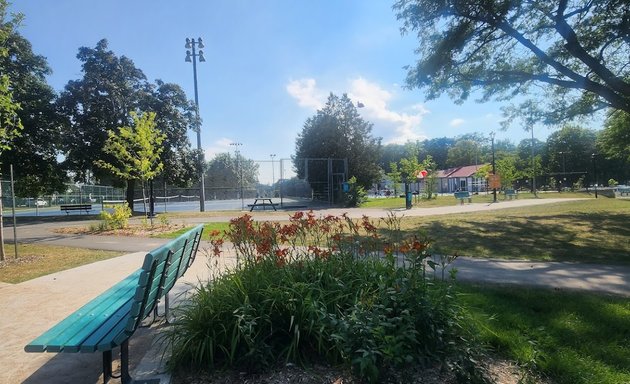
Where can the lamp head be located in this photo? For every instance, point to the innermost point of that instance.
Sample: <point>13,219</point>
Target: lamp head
<point>187,43</point>
<point>201,58</point>
<point>188,59</point>
<point>200,43</point>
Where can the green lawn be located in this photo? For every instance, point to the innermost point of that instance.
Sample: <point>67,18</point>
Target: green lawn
<point>596,231</point>
<point>571,337</point>
<point>38,260</point>
<point>446,200</point>
<point>208,228</point>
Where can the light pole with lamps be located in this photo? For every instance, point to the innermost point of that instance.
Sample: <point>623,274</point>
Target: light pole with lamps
<point>192,56</point>
<point>494,170</point>
<point>239,167</point>
<point>273,176</point>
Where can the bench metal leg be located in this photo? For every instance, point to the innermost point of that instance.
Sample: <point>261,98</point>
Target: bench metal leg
<point>125,377</point>
<point>107,366</point>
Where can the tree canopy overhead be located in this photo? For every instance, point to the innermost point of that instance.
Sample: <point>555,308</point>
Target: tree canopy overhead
<point>573,52</point>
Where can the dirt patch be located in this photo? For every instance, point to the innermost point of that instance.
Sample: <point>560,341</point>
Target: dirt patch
<point>498,371</point>
<point>138,230</point>
<point>22,260</point>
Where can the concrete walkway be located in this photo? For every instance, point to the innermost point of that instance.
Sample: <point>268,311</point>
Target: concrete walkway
<point>28,309</point>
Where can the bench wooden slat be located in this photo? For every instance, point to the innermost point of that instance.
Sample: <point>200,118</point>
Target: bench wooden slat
<point>55,339</point>
<point>103,337</point>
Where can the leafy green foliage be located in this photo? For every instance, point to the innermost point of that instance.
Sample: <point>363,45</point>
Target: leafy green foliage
<point>570,56</point>
<point>137,149</point>
<point>118,219</point>
<point>10,124</point>
<point>356,195</point>
<point>338,131</point>
<point>309,290</point>
<point>225,170</point>
<point>614,140</point>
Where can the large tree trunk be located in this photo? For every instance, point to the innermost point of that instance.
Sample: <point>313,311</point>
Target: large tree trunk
<point>131,185</point>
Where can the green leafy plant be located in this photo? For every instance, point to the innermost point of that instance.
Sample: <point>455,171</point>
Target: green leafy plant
<point>118,219</point>
<point>321,288</point>
<point>356,195</point>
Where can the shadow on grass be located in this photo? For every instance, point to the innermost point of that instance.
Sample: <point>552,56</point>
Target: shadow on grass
<point>592,237</point>
<point>576,338</point>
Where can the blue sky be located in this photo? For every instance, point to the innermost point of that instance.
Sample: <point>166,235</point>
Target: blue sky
<point>269,65</point>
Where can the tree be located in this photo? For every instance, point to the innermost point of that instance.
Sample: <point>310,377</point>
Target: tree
<point>96,104</point>
<point>464,152</point>
<point>337,131</point>
<point>174,115</point>
<point>569,153</point>
<point>229,171</point>
<point>137,149</point>
<point>395,176</point>
<point>438,150</point>
<point>614,140</point>
<point>10,124</point>
<point>430,180</point>
<point>574,51</point>
<point>34,152</point>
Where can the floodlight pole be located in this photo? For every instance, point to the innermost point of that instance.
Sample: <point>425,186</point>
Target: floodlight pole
<point>240,170</point>
<point>273,176</point>
<point>191,43</point>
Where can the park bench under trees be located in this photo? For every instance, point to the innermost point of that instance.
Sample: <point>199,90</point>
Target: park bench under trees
<point>109,320</point>
<point>463,195</point>
<point>510,194</point>
<point>75,207</point>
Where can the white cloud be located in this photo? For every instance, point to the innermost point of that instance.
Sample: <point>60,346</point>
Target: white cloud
<point>395,127</point>
<point>220,146</point>
<point>457,122</point>
<point>306,93</point>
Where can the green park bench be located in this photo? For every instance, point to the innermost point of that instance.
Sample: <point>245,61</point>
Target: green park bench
<point>109,320</point>
<point>462,196</point>
<point>623,192</point>
<point>510,194</point>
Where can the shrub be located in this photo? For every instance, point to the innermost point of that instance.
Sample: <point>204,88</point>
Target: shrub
<point>356,195</point>
<point>118,219</point>
<point>329,289</point>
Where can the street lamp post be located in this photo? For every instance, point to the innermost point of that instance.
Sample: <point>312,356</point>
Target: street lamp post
<point>273,176</point>
<point>239,168</point>
<point>494,169</point>
<point>594,157</point>
<point>192,56</point>
<point>533,165</point>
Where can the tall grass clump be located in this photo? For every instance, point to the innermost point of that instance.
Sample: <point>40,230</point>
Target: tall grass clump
<point>323,289</point>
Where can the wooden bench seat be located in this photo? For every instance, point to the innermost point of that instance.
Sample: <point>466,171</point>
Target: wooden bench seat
<point>462,196</point>
<point>109,320</point>
<point>511,194</point>
<point>76,207</point>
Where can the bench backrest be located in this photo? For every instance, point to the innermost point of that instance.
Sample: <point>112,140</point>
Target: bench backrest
<point>160,270</point>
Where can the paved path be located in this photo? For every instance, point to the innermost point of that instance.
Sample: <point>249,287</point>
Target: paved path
<point>29,308</point>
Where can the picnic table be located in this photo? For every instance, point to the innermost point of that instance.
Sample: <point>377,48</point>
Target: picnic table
<point>262,202</point>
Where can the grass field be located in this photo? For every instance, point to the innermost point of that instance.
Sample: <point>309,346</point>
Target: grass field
<point>596,231</point>
<point>38,260</point>
<point>572,338</point>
